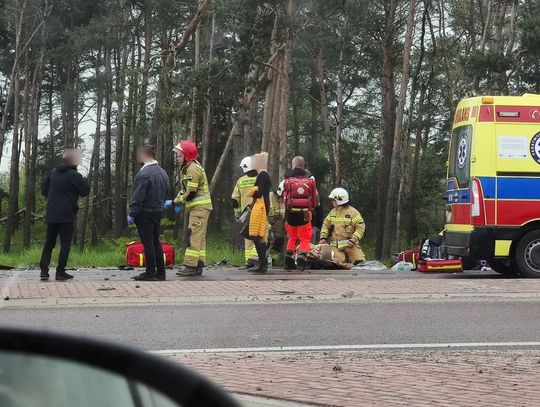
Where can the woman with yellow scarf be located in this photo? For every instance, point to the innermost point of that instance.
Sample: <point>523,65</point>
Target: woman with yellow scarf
<point>258,221</point>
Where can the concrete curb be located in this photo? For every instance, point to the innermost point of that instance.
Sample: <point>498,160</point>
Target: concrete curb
<point>247,400</point>
<point>53,302</point>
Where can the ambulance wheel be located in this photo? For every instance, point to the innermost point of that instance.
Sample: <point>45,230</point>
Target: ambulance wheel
<point>503,269</point>
<point>527,254</point>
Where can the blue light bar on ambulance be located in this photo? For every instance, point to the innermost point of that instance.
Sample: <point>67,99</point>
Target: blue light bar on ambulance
<point>508,114</point>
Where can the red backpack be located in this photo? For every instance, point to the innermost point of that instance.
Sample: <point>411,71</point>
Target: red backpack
<point>135,254</point>
<point>300,194</point>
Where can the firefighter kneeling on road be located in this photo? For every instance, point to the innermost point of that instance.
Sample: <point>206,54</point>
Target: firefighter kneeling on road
<point>240,201</point>
<point>343,229</point>
<point>195,195</point>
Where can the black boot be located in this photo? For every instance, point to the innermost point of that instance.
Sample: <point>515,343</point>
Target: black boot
<point>161,275</point>
<point>251,263</point>
<point>200,267</point>
<point>301,261</point>
<point>63,276</point>
<point>187,271</point>
<point>261,268</point>
<point>146,276</point>
<point>290,264</point>
<point>44,275</point>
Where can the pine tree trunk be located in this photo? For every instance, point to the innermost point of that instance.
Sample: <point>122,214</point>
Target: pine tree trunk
<point>207,130</point>
<point>120,210</point>
<point>13,200</point>
<point>14,72</point>
<point>275,136</point>
<point>388,95</point>
<point>26,120</point>
<point>323,106</point>
<point>394,179</point>
<point>339,120</point>
<point>269,98</point>
<point>50,110</point>
<point>313,139</point>
<point>106,207</point>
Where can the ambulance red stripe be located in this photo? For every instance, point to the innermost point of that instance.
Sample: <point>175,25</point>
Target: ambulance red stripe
<point>517,212</point>
<point>461,214</point>
<point>509,114</point>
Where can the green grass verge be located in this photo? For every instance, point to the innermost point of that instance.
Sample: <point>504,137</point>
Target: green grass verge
<point>111,254</point>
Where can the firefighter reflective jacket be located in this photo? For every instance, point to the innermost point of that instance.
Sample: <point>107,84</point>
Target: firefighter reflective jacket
<point>276,215</point>
<point>194,187</point>
<point>240,192</point>
<point>343,223</point>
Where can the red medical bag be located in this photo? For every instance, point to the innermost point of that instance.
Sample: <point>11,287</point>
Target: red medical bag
<point>410,256</point>
<point>135,254</point>
<point>429,266</point>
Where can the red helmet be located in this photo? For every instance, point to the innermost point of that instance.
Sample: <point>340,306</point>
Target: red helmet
<point>189,149</point>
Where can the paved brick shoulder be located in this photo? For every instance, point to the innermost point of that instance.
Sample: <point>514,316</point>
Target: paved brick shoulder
<point>325,288</point>
<point>397,378</point>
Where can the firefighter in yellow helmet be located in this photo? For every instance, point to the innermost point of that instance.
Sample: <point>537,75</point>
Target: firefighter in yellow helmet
<point>240,200</point>
<point>195,195</point>
<point>343,229</point>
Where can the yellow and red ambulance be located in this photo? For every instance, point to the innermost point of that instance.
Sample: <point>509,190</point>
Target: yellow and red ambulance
<point>493,183</point>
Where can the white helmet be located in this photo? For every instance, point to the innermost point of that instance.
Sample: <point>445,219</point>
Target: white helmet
<point>340,195</point>
<point>280,188</point>
<point>245,164</point>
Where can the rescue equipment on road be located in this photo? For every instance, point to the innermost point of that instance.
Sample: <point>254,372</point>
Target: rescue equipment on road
<point>134,256</point>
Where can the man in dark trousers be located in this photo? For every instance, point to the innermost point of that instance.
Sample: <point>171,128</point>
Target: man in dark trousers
<point>150,189</point>
<point>62,187</point>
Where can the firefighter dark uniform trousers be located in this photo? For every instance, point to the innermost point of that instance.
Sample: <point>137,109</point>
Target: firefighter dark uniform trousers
<point>195,195</point>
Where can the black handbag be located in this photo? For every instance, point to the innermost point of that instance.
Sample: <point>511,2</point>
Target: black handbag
<point>243,219</point>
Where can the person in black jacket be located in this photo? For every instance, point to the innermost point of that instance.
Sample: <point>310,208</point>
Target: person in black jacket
<point>62,187</point>
<point>150,189</point>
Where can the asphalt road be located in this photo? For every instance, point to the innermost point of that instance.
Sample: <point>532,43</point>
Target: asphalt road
<point>226,326</point>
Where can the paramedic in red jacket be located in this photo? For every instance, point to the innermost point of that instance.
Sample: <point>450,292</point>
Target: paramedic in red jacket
<point>298,219</point>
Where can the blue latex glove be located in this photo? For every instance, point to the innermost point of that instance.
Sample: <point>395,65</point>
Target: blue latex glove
<point>177,209</point>
<point>168,204</point>
<point>130,220</point>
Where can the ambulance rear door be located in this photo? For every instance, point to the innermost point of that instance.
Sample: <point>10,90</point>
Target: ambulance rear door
<point>459,175</point>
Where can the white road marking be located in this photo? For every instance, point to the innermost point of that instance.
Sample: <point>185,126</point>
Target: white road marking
<point>318,348</point>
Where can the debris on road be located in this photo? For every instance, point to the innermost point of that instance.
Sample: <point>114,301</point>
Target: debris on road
<point>285,292</point>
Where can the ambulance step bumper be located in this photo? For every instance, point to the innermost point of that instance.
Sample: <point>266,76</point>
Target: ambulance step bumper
<point>478,244</point>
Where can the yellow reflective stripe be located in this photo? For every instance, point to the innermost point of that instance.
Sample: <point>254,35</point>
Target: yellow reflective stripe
<point>251,254</point>
<point>192,184</point>
<point>341,244</point>
<point>459,228</point>
<point>358,219</point>
<point>192,253</point>
<point>358,234</point>
<point>336,219</point>
<point>141,259</point>
<point>502,247</point>
<point>201,202</point>
<point>246,182</point>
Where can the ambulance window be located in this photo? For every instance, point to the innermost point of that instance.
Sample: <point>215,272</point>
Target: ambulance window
<point>460,155</point>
